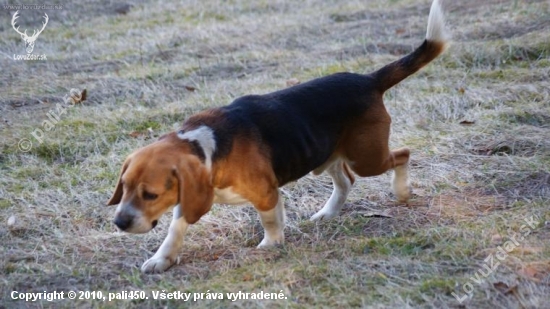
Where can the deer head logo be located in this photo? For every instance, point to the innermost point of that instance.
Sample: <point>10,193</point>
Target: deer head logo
<point>29,40</point>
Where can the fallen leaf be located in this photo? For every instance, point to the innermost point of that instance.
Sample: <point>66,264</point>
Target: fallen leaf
<point>504,288</point>
<point>461,90</point>
<point>400,30</point>
<point>496,239</point>
<point>529,273</point>
<point>467,122</point>
<point>135,134</point>
<point>190,88</point>
<point>535,271</point>
<point>75,96</point>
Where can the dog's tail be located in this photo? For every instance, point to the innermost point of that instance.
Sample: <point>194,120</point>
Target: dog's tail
<point>435,43</point>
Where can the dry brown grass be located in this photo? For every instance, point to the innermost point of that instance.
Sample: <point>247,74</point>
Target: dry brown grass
<point>477,119</point>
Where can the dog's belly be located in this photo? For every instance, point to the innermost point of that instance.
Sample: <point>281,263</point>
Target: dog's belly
<point>228,196</point>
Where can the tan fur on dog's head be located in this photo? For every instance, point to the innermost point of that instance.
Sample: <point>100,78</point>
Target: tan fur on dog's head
<point>157,177</point>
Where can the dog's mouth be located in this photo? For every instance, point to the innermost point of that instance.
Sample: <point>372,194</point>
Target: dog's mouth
<point>155,222</point>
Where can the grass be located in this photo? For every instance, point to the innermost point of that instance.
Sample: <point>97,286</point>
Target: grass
<point>477,121</point>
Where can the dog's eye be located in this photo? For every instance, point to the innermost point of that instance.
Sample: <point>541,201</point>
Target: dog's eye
<point>149,196</point>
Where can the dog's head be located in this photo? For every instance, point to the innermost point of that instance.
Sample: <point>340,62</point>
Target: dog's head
<point>157,177</point>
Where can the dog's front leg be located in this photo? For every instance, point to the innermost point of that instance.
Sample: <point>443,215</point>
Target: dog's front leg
<point>168,252</point>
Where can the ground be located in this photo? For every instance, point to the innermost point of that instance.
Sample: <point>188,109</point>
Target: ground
<point>477,120</point>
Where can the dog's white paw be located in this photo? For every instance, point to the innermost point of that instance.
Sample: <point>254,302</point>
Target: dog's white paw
<point>268,242</point>
<point>157,264</point>
<point>402,192</point>
<point>400,183</point>
<point>403,197</point>
<point>323,214</point>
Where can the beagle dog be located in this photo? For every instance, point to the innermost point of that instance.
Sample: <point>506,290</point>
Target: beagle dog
<point>245,151</point>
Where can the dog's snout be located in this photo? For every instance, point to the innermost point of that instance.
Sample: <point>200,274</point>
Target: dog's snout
<point>123,221</point>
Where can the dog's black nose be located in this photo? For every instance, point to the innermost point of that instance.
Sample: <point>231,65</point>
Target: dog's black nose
<point>155,223</point>
<point>123,222</point>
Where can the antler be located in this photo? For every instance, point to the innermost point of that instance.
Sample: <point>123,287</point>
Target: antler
<point>13,25</point>
<point>43,26</point>
<point>34,33</point>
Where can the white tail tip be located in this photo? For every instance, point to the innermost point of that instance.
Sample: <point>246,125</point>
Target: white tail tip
<point>436,24</point>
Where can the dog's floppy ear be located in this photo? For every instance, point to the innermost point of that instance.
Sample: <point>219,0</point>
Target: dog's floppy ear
<point>196,192</point>
<point>117,195</point>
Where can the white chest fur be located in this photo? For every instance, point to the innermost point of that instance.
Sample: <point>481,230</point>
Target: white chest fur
<point>227,196</point>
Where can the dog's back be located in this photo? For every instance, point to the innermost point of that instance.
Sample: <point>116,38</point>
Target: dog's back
<point>302,124</point>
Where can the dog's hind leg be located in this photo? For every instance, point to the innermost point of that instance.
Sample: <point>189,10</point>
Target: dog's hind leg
<point>400,179</point>
<point>342,179</point>
<point>369,154</point>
